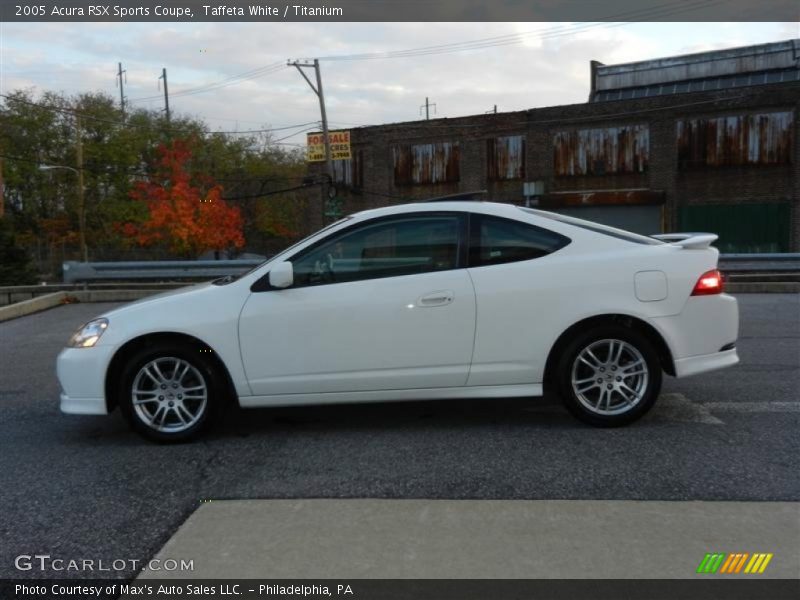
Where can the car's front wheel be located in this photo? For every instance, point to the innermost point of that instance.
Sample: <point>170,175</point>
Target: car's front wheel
<point>170,393</point>
<point>609,376</point>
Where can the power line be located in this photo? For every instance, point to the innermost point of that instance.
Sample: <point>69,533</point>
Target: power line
<point>297,133</point>
<point>232,80</point>
<point>503,40</point>
<point>600,116</point>
<point>73,112</point>
<point>516,38</point>
<point>145,173</point>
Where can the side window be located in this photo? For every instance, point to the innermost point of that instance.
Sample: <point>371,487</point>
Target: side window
<point>402,246</point>
<point>494,241</point>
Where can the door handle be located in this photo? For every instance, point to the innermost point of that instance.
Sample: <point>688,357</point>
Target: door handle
<point>440,298</point>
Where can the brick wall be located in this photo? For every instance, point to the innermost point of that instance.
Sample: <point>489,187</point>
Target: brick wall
<point>752,183</point>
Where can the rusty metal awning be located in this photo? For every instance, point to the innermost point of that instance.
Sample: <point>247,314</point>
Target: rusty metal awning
<point>619,197</point>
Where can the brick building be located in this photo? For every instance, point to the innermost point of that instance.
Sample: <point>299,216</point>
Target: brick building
<point>696,142</point>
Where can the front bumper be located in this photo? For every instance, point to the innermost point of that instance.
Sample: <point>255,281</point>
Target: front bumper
<point>83,406</point>
<point>81,373</point>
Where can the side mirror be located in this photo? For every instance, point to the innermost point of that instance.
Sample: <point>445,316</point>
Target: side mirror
<point>281,275</point>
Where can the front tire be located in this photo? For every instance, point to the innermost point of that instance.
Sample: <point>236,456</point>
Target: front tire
<point>609,376</point>
<point>170,393</point>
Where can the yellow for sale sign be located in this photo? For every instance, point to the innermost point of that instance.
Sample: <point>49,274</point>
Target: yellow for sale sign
<point>340,146</point>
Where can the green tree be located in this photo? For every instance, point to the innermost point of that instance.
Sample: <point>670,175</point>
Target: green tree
<point>40,129</point>
<point>15,264</point>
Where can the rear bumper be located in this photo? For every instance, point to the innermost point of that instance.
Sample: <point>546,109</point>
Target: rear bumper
<point>700,338</point>
<point>692,365</point>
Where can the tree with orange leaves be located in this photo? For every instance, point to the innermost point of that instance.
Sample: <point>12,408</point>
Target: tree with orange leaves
<point>187,213</point>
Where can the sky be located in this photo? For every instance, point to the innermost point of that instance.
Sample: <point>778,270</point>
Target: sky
<point>547,64</point>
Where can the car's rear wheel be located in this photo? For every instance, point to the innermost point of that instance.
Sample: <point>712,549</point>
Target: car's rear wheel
<point>170,393</point>
<point>609,376</point>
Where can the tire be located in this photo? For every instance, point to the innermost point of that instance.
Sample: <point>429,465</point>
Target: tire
<point>609,376</point>
<point>180,392</point>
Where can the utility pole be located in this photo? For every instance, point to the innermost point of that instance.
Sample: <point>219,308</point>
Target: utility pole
<point>120,72</point>
<point>318,91</point>
<point>326,193</point>
<point>81,199</point>
<point>427,107</point>
<point>2,189</point>
<point>166,93</point>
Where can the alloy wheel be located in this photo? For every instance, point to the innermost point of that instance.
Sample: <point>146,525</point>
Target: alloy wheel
<point>169,394</point>
<point>609,377</point>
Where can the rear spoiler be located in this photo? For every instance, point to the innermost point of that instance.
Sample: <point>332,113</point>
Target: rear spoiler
<point>694,241</point>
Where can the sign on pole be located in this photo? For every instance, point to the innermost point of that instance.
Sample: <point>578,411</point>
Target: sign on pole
<point>340,146</point>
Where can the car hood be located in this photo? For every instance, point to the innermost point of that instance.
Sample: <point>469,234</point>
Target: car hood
<point>182,294</point>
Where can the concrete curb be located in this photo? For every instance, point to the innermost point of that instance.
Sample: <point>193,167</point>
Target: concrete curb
<point>27,307</point>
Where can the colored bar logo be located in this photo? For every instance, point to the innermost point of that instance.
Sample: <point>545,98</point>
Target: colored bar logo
<point>734,563</point>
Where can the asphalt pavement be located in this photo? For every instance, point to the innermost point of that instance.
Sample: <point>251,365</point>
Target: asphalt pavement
<point>86,487</point>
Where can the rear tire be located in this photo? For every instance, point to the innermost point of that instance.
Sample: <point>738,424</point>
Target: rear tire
<point>171,392</point>
<point>609,376</point>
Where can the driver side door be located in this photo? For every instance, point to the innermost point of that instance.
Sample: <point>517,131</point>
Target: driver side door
<point>382,305</point>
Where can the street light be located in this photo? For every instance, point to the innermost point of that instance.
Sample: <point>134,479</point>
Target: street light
<point>81,206</point>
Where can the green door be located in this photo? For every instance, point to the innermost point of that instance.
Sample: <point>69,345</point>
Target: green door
<point>744,228</point>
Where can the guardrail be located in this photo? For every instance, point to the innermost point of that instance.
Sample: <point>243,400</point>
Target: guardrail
<point>178,270</point>
<point>785,263</point>
<point>20,293</point>
<point>76,272</point>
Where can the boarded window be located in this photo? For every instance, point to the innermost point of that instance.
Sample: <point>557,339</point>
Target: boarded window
<point>606,151</point>
<point>343,171</point>
<point>426,163</point>
<point>350,171</point>
<point>759,139</point>
<point>506,157</point>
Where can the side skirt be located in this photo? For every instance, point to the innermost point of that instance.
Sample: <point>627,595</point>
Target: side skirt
<point>451,393</point>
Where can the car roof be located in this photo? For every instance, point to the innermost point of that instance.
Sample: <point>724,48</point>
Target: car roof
<point>554,221</point>
<point>491,208</point>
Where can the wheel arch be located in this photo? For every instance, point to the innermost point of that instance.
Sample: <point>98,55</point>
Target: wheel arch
<point>117,363</point>
<point>616,319</point>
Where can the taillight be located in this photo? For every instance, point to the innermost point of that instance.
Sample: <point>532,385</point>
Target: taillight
<point>709,283</point>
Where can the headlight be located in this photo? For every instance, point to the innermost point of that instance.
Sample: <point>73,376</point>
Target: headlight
<point>87,336</point>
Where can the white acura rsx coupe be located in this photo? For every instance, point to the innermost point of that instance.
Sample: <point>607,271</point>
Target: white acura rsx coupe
<point>451,299</point>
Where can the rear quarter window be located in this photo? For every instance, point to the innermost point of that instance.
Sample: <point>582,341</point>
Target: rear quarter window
<point>494,240</point>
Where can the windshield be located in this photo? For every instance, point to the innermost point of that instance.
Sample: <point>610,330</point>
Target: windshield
<point>620,234</point>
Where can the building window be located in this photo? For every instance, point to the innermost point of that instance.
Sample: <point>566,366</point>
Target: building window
<point>419,164</point>
<point>342,171</point>
<point>350,171</point>
<point>606,151</point>
<point>759,139</point>
<point>505,158</point>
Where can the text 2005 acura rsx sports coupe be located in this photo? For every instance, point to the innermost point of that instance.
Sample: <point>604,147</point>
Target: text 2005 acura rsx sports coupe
<point>449,299</point>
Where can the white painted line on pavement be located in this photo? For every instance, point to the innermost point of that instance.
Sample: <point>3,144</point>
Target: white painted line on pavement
<point>678,408</point>
<point>753,407</point>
